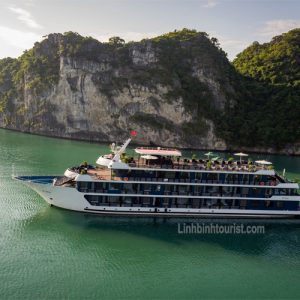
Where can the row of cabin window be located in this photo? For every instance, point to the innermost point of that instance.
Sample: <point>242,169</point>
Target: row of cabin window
<point>180,202</point>
<point>143,187</point>
<point>194,175</point>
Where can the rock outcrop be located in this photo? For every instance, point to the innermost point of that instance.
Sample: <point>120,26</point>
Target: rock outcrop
<point>102,91</point>
<point>178,89</point>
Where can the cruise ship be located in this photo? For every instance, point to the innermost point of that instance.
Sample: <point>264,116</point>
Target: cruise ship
<point>159,182</point>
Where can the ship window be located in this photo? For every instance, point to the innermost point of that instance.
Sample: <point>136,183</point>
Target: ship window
<point>127,201</point>
<point>198,175</point>
<point>229,178</point>
<point>182,202</point>
<point>245,178</point>
<point>283,192</point>
<point>225,191</point>
<point>268,193</point>
<point>136,201</point>
<point>165,202</point>
<point>113,200</point>
<point>167,188</point>
<point>128,187</point>
<point>145,201</point>
<point>173,202</point>
<point>161,174</point>
<point>293,192</point>
<point>197,189</point>
<point>138,173</point>
<point>99,186</point>
<point>135,187</point>
<point>158,187</point>
<point>96,200</point>
<point>245,191</point>
<point>147,187</point>
<point>170,175</point>
<point>114,186</point>
<point>184,175</point>
<point>149,173</point>
<point>212,176</point>
<point>209,189</point>
<point>92,199</point>
<point>279,204</point>
<point>268,203</point>
<point>82,186</point>
<point>243,203</point>
<point>121,173</point>
<point>196,203</point>
<point>182,188</point>
<point>103,200</point>
<point>251,177</point>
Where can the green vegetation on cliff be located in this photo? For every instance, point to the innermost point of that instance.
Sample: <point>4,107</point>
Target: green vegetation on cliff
<point>270,114</point>
<point>276,62</point>
<point>252,102</point>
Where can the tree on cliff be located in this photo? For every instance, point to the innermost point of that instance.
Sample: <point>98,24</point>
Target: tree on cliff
<point>116,41</point>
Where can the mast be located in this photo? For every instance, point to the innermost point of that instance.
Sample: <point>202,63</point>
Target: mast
<point>122,149</point>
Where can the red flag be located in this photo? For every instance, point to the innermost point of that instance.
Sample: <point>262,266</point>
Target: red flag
<point>133,133</point>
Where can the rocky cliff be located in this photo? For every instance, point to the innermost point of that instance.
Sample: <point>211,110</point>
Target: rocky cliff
<point>178,89</point>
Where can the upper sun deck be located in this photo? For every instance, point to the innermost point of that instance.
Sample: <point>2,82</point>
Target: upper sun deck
<point>166,158</point>
<point>204,165</point>
<point>170,159</point>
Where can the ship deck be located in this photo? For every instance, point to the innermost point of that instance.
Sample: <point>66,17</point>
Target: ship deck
<point>107,174</point>
<point>214,166</point>
<point>102,174</point>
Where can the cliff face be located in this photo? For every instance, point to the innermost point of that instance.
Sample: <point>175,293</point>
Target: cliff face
<point>108,90</point>
<point>178,89</point>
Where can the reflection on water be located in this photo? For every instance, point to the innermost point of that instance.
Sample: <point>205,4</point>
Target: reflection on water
<point>281,235</point>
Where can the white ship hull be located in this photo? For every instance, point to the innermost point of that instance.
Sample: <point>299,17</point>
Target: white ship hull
<point>169,187</point>
<point>72,199</point>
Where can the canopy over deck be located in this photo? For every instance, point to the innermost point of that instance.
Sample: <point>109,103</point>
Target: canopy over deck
<point>157,151</point>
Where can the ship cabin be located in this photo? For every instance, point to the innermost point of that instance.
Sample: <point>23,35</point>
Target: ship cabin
<point>161,178</point>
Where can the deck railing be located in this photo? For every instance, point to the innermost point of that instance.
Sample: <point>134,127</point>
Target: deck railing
<point>195,166</point>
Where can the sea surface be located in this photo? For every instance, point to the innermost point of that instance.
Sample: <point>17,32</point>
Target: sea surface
<point>49,253</point>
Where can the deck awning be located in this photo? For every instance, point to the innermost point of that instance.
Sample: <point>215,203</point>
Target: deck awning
<point>158,151</point>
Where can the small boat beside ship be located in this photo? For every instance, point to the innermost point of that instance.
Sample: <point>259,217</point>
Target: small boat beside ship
<point>159,182</point>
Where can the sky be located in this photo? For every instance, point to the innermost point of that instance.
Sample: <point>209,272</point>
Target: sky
<point>235,23</point>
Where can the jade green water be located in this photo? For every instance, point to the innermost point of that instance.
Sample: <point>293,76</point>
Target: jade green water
<point>48,253</point>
